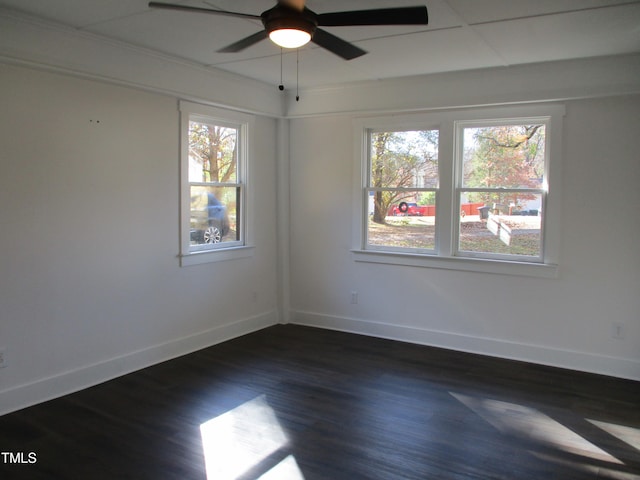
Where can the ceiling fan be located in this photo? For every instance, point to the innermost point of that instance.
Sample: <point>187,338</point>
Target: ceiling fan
<point>291,25</point>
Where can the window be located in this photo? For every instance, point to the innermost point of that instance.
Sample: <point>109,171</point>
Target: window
<point>213,183</point>
<point>501,182</point>
<point>466,190</point>
<point>402,190</point>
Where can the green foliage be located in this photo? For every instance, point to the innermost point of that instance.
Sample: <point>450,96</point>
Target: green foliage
<point>427,198</point>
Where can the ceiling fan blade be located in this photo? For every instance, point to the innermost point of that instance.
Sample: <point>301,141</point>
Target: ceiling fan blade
<point>380,16</point>
<point>245,42</point>
<point>185,8</point>
<point>336,45</point>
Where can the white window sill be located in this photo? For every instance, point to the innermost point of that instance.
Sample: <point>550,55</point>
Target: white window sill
<point>219,255</point>
<point>458,263</point>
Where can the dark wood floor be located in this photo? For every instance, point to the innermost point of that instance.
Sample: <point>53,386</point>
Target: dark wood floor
<point>292,402</point>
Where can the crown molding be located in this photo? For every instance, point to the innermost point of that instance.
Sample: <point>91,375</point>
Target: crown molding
<point>37,43</point>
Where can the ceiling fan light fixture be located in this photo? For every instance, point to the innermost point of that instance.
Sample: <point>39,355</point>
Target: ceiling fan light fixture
<point>290,37</point>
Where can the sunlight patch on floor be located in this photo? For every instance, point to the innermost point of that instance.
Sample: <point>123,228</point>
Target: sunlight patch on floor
<point>287,469</point>
<point>247,441</point>
<point>629,435</point>
<point>530,424</point>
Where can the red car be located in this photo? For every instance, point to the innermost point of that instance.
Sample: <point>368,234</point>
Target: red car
<point>408,208</point>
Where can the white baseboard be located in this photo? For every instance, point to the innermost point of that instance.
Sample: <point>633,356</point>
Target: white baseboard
<point>64,383</point>
<point>580,361</point>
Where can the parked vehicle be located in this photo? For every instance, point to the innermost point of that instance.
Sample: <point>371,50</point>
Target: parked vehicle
<point>209,218</point>
<point>414,210</point>
<point>409,208</point>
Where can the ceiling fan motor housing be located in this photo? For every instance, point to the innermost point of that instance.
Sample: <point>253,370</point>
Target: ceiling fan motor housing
<point>282,17</point>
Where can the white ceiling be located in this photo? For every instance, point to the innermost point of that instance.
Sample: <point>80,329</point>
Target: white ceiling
<point>461,35</point>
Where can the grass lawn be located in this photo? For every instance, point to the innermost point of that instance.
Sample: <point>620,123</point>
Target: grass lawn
<point>419,232</point>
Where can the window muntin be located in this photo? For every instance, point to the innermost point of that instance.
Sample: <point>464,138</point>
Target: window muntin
<point>402,186</point>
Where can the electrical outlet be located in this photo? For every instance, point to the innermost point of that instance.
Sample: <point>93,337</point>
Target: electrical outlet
<point>3,357</point>
<point>617,331</point>
<point>354,298</point>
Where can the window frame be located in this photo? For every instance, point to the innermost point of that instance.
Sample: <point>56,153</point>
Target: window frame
<point>446,254</point>
<point>190,255</point>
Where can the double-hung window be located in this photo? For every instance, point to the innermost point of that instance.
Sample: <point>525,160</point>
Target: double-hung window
<point>213,183</point>
<point>401,190</point>
<point>501,172</point>
<point>466,189</point>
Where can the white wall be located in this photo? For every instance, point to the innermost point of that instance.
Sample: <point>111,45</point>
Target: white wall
<point>564,321</point>
<point>90,283</point>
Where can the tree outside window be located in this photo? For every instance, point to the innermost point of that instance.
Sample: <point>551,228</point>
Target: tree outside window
<point>214,149</point>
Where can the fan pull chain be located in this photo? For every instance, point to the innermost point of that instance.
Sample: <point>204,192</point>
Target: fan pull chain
<point>281,86</point>
<point>297,74</point>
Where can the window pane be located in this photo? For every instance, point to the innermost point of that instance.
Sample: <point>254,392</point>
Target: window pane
<point>509,156</point>
<point>404,159</point>
<point>212,153</point>
<point>214,213</point>
<point>403,219</point>
<point>501,223</point>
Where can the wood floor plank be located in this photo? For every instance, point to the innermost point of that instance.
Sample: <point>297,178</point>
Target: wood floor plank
<point>292,402</point>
